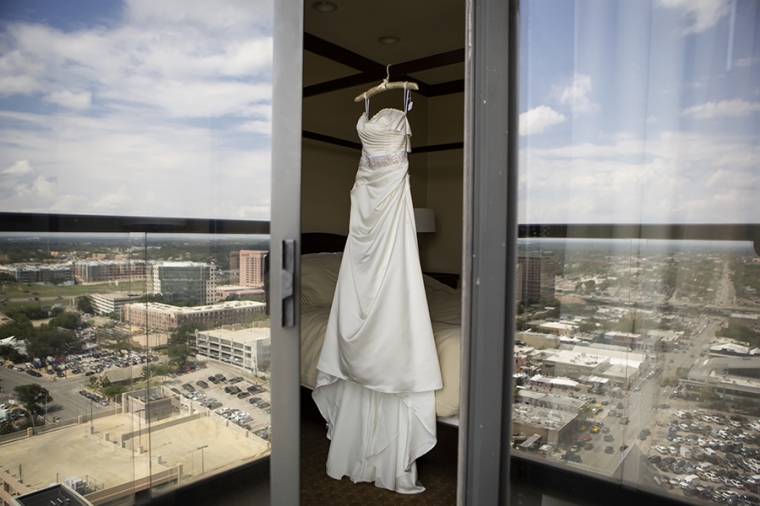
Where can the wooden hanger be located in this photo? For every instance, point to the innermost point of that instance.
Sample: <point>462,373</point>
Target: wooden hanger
<point>386,85</point>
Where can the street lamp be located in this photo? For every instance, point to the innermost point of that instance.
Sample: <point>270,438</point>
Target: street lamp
<point>203,466</point>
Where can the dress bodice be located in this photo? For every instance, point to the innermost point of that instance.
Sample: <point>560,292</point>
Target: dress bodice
<point>386,132</point>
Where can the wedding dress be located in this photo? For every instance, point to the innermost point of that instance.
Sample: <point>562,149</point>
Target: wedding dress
<point>378,368</point>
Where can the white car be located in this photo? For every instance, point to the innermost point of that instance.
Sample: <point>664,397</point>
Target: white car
<point>661,449</point>
<point>713,478</point>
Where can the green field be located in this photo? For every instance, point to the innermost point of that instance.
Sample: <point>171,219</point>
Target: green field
<point>17,291</point>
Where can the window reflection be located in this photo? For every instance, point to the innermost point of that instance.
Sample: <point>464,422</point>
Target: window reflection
<point>124,402</point>
<point>635,359</point>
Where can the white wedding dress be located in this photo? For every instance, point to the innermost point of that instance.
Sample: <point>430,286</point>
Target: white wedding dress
<point>378,368</point>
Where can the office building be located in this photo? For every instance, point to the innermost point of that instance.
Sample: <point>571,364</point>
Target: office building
<point>164,317</point>
<point>39,274</point>
<point>245,348</point>
<point>191,282</point>
<point>234,260</point>
<point>108,303</point>
<point>97,271</point>
<point>252,267</point>
<point>537,269</point>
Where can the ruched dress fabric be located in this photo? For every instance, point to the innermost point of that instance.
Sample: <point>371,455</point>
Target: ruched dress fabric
<point>378,368</point>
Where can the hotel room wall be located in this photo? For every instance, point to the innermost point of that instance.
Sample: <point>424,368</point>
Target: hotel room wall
<point>328,171</point>
<point>443,250</point>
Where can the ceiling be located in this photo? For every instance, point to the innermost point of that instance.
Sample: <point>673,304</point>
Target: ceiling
<point>425,28</point>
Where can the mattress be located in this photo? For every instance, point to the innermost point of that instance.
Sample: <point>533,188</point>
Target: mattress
<point>318,279</point>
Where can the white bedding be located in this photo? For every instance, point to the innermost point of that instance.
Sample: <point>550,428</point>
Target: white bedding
<point>319,275</point>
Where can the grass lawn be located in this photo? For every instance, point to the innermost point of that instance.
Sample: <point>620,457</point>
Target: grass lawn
<point>17,291</point>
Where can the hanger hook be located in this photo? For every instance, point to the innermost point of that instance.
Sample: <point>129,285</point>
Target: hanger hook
<point>388,72</point>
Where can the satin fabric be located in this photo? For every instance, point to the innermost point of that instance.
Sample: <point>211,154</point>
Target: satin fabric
<point>378,368</point>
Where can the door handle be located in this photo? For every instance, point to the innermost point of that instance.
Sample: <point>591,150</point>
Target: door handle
<point>287,278</point>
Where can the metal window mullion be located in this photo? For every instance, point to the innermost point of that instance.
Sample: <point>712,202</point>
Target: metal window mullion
<point>287,84</point>
<point>490,243</point>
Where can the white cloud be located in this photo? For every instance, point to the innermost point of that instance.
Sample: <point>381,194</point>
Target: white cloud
<point>257,127</point>
<point>576,94</point>
<point>539,119</point>
<point>701,14</point>
<point>675,177</point>
<point>19,168</point>
<point>731,108</point>
<point>150,112</point>
<point>746,62</point>
<point>226,14</point>
<point>69,99</point>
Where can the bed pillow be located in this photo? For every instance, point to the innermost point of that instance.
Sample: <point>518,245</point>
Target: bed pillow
<point>319,275</point>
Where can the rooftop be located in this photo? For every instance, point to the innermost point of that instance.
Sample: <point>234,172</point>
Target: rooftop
<point>238,336</point>
<point>169,309</point>
<point>569,357</point>
<point>541,417</point>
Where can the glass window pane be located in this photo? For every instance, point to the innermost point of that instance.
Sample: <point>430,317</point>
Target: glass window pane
<point>67,358</point>
<point>139,110</point>
<point>634,360</point>
<point>135,108</point>
<point>206,402</point>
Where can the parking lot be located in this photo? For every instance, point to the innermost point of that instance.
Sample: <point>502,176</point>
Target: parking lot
<point>722,450</point>
<point>231,394</point>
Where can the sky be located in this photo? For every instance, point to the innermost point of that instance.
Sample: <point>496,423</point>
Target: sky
<point>138,108</point>
<point>640,111</point>
<point>632,111</point>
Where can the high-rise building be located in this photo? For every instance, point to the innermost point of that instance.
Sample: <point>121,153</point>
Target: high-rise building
<point>191,282</point>
<point>538,270</point>
<point>234,260</point>
<point>252,267</point>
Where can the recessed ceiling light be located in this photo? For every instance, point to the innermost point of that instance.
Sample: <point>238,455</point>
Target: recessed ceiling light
<point>324,6</point>
<point>389,39</point>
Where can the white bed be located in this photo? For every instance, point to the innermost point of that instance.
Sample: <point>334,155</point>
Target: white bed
<point>319,274</point>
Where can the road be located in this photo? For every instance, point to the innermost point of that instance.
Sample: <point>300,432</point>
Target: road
<point>66,404</point>
<point>641,407</point>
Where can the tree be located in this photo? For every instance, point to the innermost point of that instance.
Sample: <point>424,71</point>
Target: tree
<point>65,320</point>
<point>709,394</point>
<point>22,328</point>
<point>7,278</point>
<point>84,305</point>
<point>179,350</point>
<point>53,341</point>
<point>179,353</point>
<point>11,354</point>
<point>158,370</point>
<point>682,372</point>
<point>587,326</point>
<point>114,391</point>
<point>31,396</point>
<point>180,335</point>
